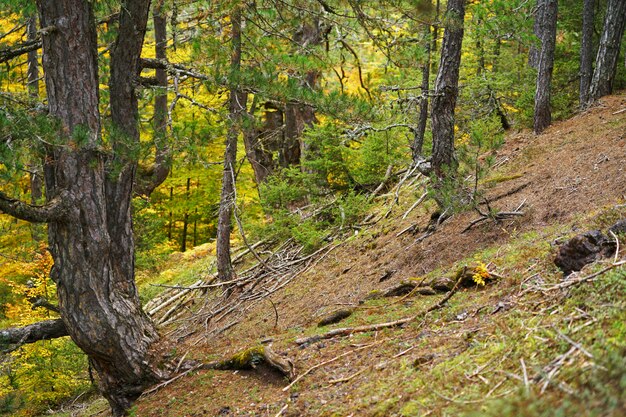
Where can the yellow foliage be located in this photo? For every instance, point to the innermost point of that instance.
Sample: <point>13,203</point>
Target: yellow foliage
<point>481,273</point>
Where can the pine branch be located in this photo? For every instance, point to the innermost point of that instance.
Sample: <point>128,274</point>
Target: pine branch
<point>52,211</point>
<point>14,337</point>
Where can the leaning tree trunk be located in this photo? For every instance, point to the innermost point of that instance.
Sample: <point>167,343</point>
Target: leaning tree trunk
<point>236,107</point>
<point>586,51</point>
<point>543,116</point>
<point>447,90</point>
<point>608,50</point>
<point>92,243</point>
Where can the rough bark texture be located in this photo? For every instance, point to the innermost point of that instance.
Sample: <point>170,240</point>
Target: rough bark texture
<point>608,50</point>
<point>586,51</point>
<point>236,107</point>
<point>261,142</point>
<point>297,115</point>
<point>538,29</point>
<point>14,337</point>
<point>418,141</point>
<point>93,246</point>
<point>154,176</point>
<point>543,116</point>
<point>447,90</point>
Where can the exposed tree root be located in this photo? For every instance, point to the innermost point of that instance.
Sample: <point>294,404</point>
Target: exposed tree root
<point>244,360</point>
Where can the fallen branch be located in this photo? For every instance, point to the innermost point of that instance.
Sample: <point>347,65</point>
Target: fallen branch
<point>572,282</point>
<point>497,217</point>
<point>347,331</point>
<point>311,369</point>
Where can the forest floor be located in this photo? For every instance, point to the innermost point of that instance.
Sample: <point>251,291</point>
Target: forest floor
<point>514,347</point>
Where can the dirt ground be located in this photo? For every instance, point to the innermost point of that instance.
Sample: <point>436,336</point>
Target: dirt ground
<point>574,168</point>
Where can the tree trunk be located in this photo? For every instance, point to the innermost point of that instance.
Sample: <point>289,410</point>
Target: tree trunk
<point>539,30</point>
<point>92,246</point>
<point>297,115</point>
<point>543,116</point>
<point>447,90</point>
<point>36,180</point>
<point>608,50</point>
<point>183,240</point>
<point>236,107</point>
<point>586,51</point>
<point>151,178</point>
<point>418,141</point>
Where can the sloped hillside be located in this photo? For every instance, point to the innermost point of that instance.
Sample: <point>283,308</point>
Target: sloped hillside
<point>517,346</point>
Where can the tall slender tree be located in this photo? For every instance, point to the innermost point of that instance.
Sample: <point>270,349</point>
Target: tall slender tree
<point>543,115</point>
<point>586,51</point>
<point>447,90</point>
<point>608,50</point>
<point>236,108</point>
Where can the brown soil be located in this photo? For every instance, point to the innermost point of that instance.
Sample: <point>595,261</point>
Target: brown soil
<point>574,168</point>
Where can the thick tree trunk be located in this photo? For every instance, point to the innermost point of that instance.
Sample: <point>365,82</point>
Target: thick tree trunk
<point>93,246</point>
<point>586,51</point>
<point>543,116</point>
<point>418,140</point>
<point>447,90</point>
<point>608,50</point>
<point>539,30</point>
<point>236,107</point>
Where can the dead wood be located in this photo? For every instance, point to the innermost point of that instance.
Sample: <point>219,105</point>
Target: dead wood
<point>311,369</point>
<point>496,217</point>
<point>253,357</point>
<point>336,317</point>
<point>347,331</point>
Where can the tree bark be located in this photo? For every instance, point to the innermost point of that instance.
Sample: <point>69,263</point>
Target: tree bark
<point>92,246</point>
<point>538,29</point>
<point>447,90</point>
<point>608,50</point>
<point>14,337</point>
<point>297,115</point>
<point>543,116</point>
<point>586,51</point>
<point>418,141</point>
<point>154,176</point>
<point>236,107</point>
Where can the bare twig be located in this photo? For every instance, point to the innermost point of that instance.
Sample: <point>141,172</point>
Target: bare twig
<point>311,369</point>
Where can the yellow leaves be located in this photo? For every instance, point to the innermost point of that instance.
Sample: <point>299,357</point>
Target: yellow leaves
<point>481,273</point>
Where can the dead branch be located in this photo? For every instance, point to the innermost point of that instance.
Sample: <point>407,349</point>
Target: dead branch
<point>311,369</point>
<point>347,331</point>
<point>497,217</point>
<point>572,282</point>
